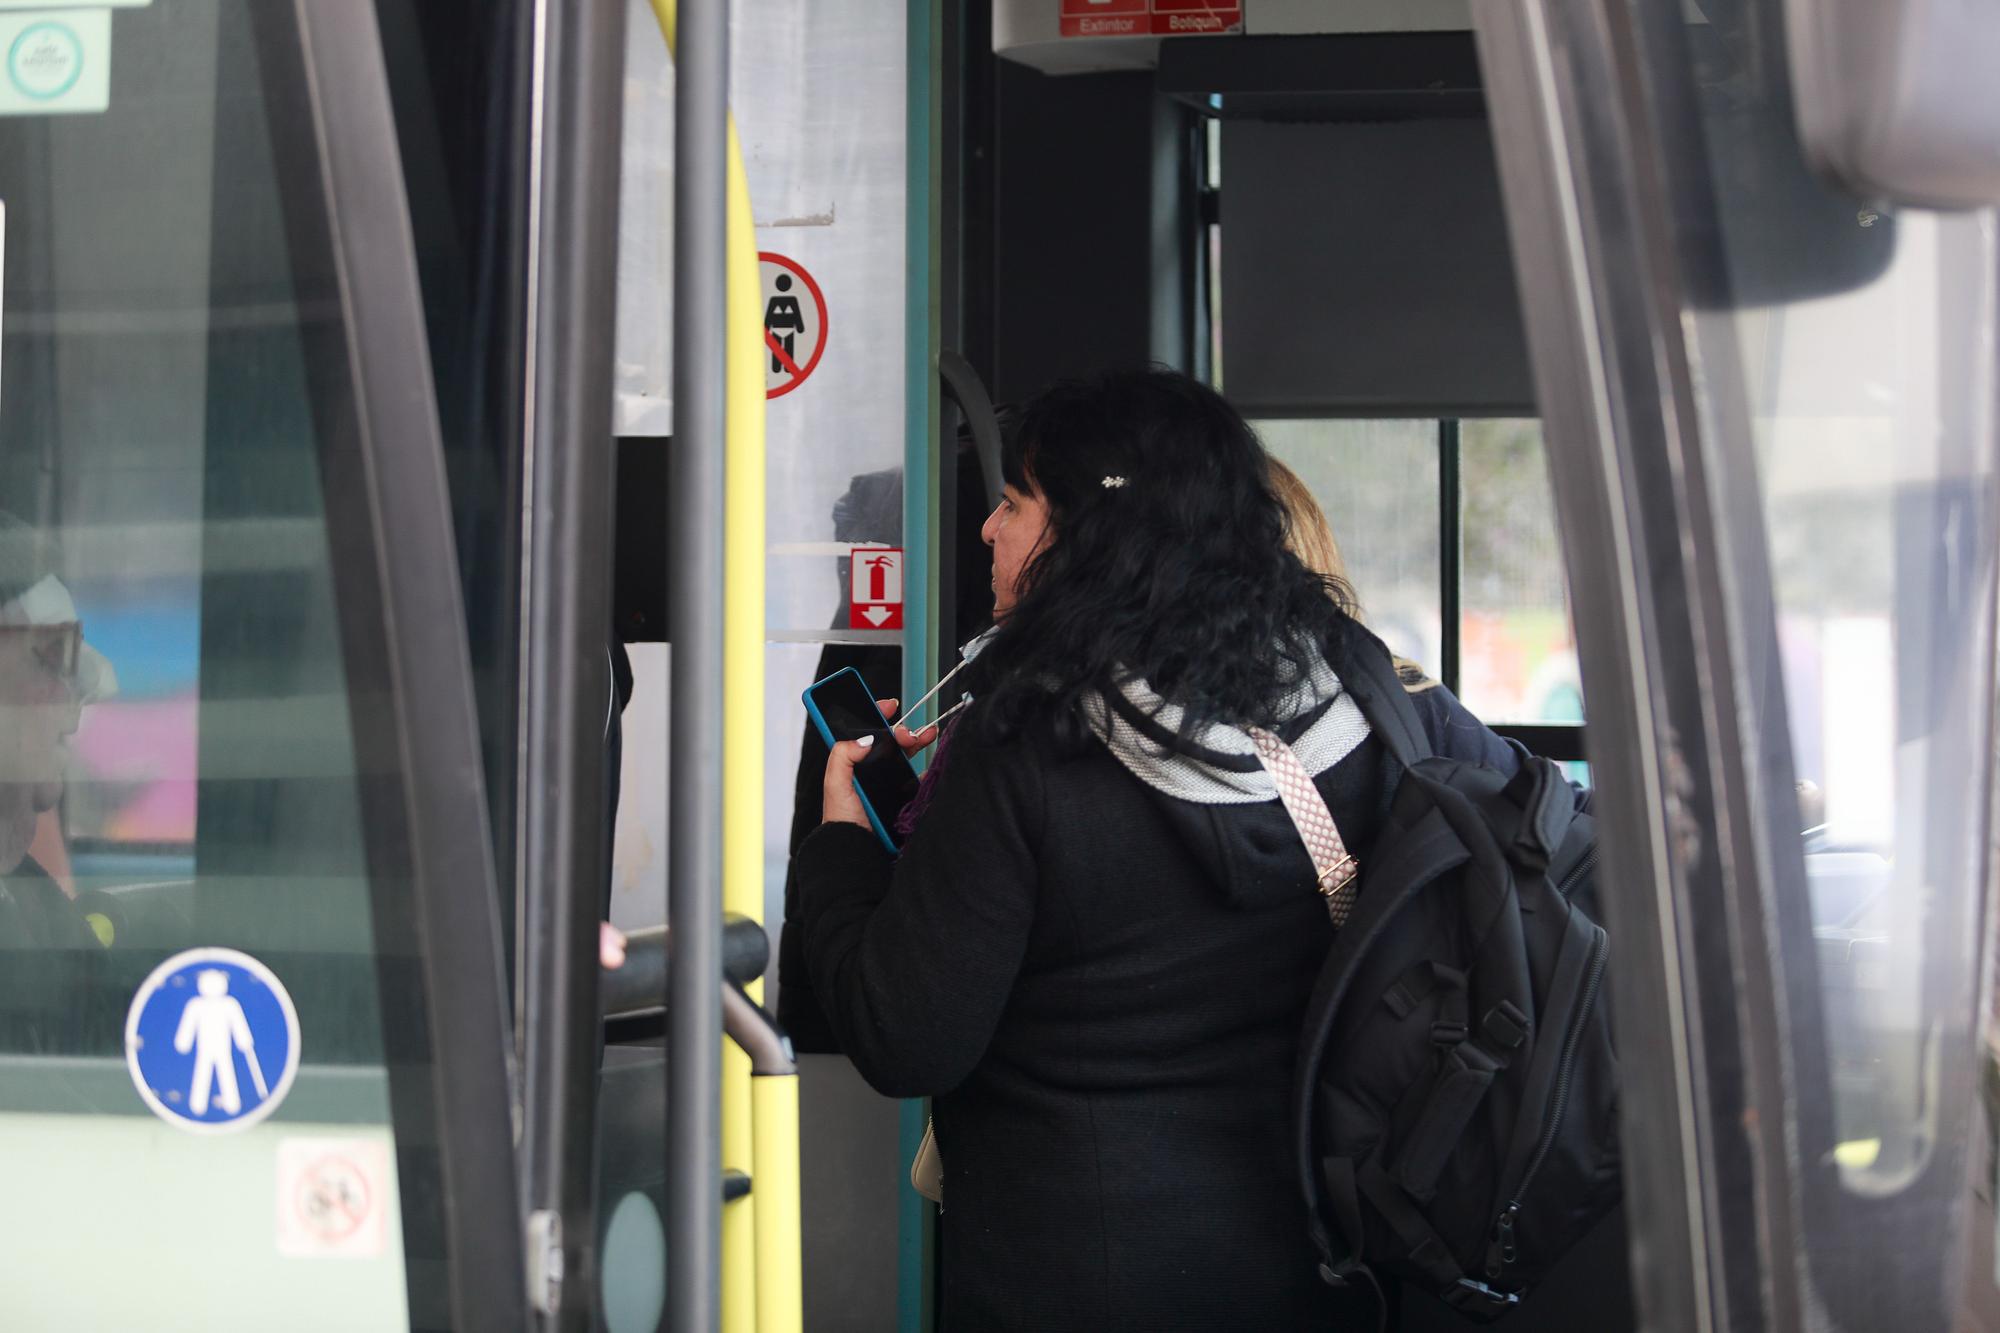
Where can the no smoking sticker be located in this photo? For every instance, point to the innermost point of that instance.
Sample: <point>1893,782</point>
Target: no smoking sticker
<point>332,1198</point>
<point>794,324</point>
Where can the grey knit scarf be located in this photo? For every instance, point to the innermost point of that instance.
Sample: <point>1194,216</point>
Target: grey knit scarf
<point>1332,736</point>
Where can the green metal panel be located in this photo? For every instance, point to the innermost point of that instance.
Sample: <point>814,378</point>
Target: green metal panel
<point>916,1218</point>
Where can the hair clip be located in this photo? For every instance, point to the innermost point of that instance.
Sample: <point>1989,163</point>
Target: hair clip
<point>1114,483</point>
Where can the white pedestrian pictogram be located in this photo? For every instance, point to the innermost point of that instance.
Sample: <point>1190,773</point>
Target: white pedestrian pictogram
<point>214,1028</point>
<point>203,1024</point>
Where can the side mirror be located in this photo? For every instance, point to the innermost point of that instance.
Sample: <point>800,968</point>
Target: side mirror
<point>1793,232</point>
<point>1897,99</point>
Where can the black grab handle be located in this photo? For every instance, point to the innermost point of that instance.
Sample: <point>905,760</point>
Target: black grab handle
<point>640,987</point>
<point>963,386</point>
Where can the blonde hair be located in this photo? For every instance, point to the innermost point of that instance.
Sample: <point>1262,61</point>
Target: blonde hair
<point>1311,538</point>
<point>1306,530</point>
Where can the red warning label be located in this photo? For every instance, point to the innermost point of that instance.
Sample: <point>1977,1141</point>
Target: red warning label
<point>1180,18</point>
<point>875,588</point>
<point>1140,18</point>
<point>1106,18</point>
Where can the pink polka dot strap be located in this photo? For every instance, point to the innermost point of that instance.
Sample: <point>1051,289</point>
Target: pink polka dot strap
<point>1336,867</point>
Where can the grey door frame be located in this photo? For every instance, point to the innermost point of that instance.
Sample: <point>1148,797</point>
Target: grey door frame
<point>402,622</point>
<point>566,690</point>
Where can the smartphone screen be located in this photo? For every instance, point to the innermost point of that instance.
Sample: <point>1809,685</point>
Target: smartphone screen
<point>845,708</point>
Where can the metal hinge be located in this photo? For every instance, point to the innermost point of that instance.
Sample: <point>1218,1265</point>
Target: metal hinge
<point>545,1261</point>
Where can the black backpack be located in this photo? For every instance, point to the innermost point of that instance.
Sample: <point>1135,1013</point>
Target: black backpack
<point>1456,1099</point>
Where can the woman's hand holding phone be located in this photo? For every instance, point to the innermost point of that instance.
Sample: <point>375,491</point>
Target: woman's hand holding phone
<point>839,802</point>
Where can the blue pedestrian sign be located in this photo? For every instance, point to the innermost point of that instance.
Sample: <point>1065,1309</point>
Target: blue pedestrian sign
<point>212,1041</point>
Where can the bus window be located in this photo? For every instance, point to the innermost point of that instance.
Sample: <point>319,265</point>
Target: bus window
<point>1518,654</point>
<point>1378,483</point>
<point>1464,580</point>
<point>217,1102</point>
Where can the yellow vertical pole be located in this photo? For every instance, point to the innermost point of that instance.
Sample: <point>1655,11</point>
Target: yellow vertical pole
<point>743,721</point>
<point>780,1294</point>
<point>743,616</point>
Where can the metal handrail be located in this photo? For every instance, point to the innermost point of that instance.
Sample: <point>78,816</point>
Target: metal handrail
<point>773,1178</point>
<point>639,987</point>
<point>750,1027</point>
<point>743,1265</point>
<point>695,627</point>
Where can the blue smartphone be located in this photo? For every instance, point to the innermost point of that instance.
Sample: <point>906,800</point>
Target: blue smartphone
<point>843,708</point>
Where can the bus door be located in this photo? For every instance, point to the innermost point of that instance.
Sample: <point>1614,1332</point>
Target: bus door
<point>252,1027</point>
<point>1768,395</point>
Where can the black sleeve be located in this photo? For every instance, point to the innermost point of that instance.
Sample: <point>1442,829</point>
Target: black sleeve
<point>798,1007</point>
<point>913,958</point>
<point>1456,734</point>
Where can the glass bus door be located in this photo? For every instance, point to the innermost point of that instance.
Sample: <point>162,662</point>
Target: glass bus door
<point>1769,401</point>
<point>252,1027</point>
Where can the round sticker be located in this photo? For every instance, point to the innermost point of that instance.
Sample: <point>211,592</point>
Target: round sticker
<point>212,1041</point>
<point>333,1199</point>
<point>45,61</point>
<point>794,324</point>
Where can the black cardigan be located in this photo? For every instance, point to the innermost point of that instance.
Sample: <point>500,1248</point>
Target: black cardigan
<point>1102,988</point>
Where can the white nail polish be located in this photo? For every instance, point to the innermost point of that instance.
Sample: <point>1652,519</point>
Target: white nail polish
<point>865,742</point>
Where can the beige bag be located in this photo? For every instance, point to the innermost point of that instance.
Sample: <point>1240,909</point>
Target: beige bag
<point>927,1171</point>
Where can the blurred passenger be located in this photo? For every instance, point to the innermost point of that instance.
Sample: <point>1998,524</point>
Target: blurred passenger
<point>1306,530</point>
<point>47,674</point>
<point>1097,945</point>
<point>50,850</point>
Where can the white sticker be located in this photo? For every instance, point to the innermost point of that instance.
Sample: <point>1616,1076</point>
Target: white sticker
<point>794,323</point>
<point>212,1041</point>
<point>333,1196</point>
<point>55,62</point>
<point>3,256</point>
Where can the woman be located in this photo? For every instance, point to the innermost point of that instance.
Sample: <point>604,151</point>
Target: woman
<point>1097,944</point>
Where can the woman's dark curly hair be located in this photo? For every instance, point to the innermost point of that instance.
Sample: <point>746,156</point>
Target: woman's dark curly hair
<point>1180,576</point>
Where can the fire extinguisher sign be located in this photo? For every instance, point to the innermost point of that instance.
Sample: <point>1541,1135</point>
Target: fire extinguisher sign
<point>875,588</point>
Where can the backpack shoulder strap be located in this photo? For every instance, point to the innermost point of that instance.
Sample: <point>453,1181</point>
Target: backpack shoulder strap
<point>1366,669</point>
<point>1333,865</point>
